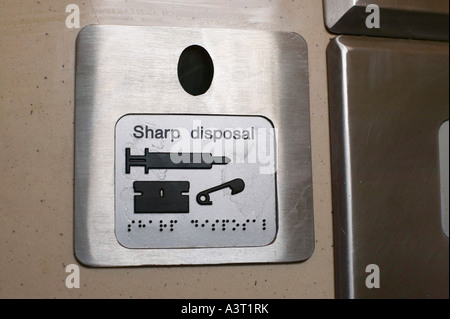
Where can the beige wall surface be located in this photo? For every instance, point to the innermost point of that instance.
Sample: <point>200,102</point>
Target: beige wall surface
<point>37,54</point>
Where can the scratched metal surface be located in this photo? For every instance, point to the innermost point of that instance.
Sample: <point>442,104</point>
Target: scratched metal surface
<point>385,165</point>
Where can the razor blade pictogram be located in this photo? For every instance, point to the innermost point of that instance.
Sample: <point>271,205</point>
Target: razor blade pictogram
<point>161,197</point>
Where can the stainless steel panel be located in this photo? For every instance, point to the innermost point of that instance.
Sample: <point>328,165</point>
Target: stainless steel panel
<point>415,19</point>
<point>122,70</point>
<point>388,99</point>
<point>246,219</point>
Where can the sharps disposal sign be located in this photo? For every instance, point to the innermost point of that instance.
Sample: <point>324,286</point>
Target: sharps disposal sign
<point>195,181</point>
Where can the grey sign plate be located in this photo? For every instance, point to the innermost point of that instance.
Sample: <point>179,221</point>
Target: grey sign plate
<point>127,77</point>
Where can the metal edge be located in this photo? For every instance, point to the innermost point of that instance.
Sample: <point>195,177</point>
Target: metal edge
<point>336,55</point>
<point>335,10</point>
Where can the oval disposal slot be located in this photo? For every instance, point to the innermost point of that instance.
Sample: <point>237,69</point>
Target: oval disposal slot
<point>195,70</point>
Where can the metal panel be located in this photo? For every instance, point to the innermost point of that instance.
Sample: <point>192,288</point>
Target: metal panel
<point>415,19</point>
<point>388,99</point>
<point>123,70</point>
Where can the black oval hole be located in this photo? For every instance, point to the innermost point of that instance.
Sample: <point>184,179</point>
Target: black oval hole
<point>195,70</point>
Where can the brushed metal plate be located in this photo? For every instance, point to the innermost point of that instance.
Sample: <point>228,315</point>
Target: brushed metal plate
<point>388,99</point>
<point>133,70</point>
<point>414,19</point>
